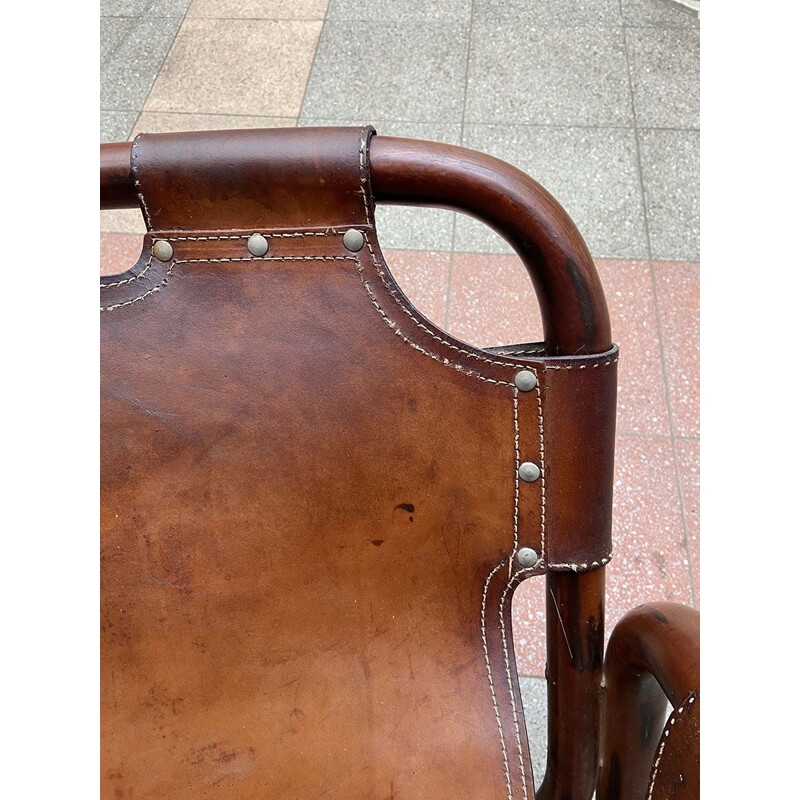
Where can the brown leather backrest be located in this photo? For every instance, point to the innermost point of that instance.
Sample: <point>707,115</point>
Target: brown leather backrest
<point>311,505</point>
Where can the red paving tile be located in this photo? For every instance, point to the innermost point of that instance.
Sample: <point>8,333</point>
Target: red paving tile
<point>649,561</point>
<point>423,278</point>
<point>492,303</point>
<point>641,394</point>
<point>678,291</point>
<point>688,453</point>
<point>119,252</point>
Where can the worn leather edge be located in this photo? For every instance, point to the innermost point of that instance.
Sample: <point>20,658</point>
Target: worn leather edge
<point>676,767</point>
<point>216,180</point>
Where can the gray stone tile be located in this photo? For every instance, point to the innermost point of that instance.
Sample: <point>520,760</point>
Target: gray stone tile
<point>534,703</point>
<point>405,228</point>
<point>115,126</point>
<point>138,8</point>
<point>592,172</point>
<point>113,31</point>
<point>392,11</point>
<point>568,13</point>
<point>129,70</point>
<point>258,9</point>
<point>388,71</point>
<point>561,76</point>
<point>665,71</point>
<point>671,174</point>
<point>123,8</point>
<point>657,13</point>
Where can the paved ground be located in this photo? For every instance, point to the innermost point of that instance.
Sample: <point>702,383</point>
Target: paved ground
<point>597,99</point>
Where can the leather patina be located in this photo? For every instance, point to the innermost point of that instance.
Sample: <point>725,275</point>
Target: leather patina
<point>310,503</point>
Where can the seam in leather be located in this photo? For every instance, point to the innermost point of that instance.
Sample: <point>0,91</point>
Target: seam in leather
<point>266,258</point>
<point>674,716</point>
<point>582,366</point>
<point>129,280</point>
<point>540,415</point>
<point>138,183</point>
<point>575,567</point>
<point>515,395</point>
<point>173,264</point>
<point>408,341</point>
<point>515,716</point>
<point>153,290</point>
<point>247,236</point>
<point>491,680</point>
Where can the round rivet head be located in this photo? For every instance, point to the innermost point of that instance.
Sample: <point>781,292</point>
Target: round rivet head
<point>353,240</point>
<point>257,244</point>
<point>162,250</point>
<point>529,472</point>
<point>527,556</point>
<point>525,380</point>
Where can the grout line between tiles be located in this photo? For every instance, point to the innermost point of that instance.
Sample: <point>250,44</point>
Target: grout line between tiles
<point>311,65</point>
<point>158,71</point>
<point>659,327</point>
<point>461,142</point>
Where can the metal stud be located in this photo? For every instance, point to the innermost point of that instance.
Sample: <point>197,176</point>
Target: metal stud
<point>525,380</point>
<point>529,472</point>
<point>162,250</point>
<point>257,244</point>
<point>527,556</point>
<point>353,240</point>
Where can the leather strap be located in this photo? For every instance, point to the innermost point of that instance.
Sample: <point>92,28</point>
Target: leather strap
<point>306,177</point>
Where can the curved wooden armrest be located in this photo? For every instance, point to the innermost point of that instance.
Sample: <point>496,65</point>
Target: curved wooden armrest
<point>653,656</point>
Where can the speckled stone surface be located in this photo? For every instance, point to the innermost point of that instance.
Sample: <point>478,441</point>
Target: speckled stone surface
<point>252,67</point>
<point>592,172</point>
<point>423,277</point>
<point>168,121</point>
<point>563,13</point>
<point>118,252</point>
<point>534,701</point>
<point>688,457</point>
<point>671,176</point>
<point>394,11</point>
<point>258,9</point>
<point>572,76</point>
<point>388,74</point>
<point>665,71</point>
<point>678,291</point>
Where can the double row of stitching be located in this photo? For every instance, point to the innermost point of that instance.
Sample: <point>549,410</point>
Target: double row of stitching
<point>176,262</point>
<point>131,279</point>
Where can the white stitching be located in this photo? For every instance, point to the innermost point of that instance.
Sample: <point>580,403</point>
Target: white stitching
<point>675,714</point>
<point>515,395</point>
<point>196,260</point>
<point>266,258</point>
<point>508,673</point>
<point>137,182</point>
<point>248,235</point>
<point>491,681</point>
<point>408,341</point>
<point>129,280</point>
<point>540,415</point>
<point>582,366</point>
<point>575,567</point>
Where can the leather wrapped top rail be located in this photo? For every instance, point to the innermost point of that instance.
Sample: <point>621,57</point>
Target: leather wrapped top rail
<point>408,172</point>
